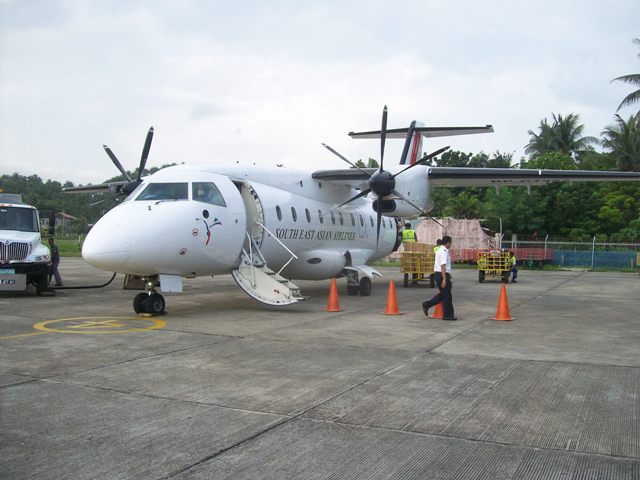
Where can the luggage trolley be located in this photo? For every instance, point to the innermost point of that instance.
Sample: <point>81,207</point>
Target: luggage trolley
<point>416,263</point>
<point>493,263</point>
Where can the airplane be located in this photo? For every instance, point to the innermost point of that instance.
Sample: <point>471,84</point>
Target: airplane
<point>268,226</point>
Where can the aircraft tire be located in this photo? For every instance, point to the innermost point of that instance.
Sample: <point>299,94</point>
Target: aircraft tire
<point>353,290</point>
<point>365,286</point>
<point>138,302</point>
<point>154,304</point>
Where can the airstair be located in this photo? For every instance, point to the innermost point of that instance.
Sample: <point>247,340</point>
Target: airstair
<point>259,281</point>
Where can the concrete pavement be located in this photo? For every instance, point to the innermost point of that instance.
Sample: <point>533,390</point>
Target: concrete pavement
<point>224,387</point>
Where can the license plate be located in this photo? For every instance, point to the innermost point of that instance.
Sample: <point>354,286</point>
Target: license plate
<point>7,271</point>
<point>13,282</point>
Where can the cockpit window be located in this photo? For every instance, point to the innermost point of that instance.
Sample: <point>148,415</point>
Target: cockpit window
<point>165,191</point>
<point>207,192</point>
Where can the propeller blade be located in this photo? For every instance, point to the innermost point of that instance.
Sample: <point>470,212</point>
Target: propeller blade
<point>145,152</point>
<point>431,218</point>
<point>116,162</point>
<point>398,194</point>
<point>361,194</point>
<point>423,160</point>
<point>383,136</point>
<point>345,159</point>
<point>379,221</point>
<point>407,142</point>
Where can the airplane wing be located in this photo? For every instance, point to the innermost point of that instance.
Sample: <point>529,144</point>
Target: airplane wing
<point>425,131</point>
<point>103,187</point>
<point>479,177</point>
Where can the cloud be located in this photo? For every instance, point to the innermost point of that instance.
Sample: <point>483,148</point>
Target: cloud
<point>268,82</point>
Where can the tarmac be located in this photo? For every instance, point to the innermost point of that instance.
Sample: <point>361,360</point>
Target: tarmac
<point>222,387</point>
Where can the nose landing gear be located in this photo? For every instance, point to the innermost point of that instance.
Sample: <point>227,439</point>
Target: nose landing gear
<point>150,301</point>
<point>146,302</point>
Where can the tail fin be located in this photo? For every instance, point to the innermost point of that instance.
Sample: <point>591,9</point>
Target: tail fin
<point>415,147</point>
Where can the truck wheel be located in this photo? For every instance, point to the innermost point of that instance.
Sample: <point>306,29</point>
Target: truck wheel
<point>505,277</point>
<point>480,276</point>
<point>406,280</point>
<point>42,287</point>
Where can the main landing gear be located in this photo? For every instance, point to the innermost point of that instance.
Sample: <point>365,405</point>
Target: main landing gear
<point>150,301</point>
<point>355,287</point>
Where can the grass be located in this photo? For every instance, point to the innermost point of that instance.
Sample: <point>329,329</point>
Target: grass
<point>67,246</point>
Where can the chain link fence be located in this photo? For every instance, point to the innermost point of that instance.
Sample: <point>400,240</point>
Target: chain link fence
<point>565,253</point>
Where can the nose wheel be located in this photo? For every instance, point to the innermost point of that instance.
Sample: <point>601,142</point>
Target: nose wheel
<point>149,302</point>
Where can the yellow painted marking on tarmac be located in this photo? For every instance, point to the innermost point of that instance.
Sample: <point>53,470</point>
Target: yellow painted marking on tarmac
<point>101,325</point>
<point>5,337</point>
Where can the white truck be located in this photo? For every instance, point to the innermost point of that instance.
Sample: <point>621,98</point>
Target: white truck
<point>24,259</point>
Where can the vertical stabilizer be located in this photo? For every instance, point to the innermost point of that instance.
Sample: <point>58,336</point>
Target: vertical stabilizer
<point>415,148</point>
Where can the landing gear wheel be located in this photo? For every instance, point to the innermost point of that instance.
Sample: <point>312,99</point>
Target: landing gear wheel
<point>365,286</point>
<point>154,304</point>
<point>406,280</point>
<point>138,302</point>
<point>353,290</point>
<point>480,276</point>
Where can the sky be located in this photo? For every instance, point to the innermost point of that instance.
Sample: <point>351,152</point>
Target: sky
<point>267,82</point>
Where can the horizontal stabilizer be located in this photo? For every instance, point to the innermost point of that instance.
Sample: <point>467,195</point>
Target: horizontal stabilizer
<point>425,132</point>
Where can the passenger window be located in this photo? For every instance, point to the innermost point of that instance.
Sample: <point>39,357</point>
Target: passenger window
<point>165,191</point>
<point>371,220</point>
<point>294,214</point>
<point>333,218</point>
<point>341,219</point>
<point>320,217</point>
<point>279,213</point>
<point>361,220</point>
<point>308,214</point>
<point>207,192</point>
<point>353,220</point>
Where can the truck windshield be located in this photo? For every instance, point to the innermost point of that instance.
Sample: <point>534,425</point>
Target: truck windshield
<point>16,218</point>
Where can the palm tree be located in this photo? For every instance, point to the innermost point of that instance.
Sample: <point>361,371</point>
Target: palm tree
<point>633,79</point>
<point>623,140</point>
<point>564,135</point>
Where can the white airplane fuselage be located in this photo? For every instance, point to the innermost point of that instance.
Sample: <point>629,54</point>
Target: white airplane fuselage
<point>189,234</point>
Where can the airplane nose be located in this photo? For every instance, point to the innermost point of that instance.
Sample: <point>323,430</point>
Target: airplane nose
<point>107,246</point>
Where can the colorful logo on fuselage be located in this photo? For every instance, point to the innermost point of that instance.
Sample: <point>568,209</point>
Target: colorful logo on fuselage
<point>209,227</point>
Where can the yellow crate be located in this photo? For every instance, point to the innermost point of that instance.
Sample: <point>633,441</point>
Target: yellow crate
<point>494,261</point>
<point>417,262</point>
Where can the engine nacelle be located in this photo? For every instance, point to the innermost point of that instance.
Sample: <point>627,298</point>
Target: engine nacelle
<point>415,189</point>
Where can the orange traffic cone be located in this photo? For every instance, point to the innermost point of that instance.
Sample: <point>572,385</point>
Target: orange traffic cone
<point>334,303</point>
<point>438,311</point>
<point>392,301</point>
<point>503,306</point>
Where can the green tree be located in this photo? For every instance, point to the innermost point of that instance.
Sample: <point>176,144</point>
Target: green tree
<point>464,205</point>
<point>633,79</point>
<point>564,134</point>
<point>623,141</point>
<point>552,161</point>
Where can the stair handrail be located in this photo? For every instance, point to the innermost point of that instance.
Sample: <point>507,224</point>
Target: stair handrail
<point>293,255</point>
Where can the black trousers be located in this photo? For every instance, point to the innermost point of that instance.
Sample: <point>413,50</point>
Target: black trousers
<point>444,295</point>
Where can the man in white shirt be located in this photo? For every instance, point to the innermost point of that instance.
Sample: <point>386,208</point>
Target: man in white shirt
<point>442,269</point>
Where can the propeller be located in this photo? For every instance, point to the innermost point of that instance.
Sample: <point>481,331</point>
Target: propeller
<point>131,184</point>
<point>382,182</point>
